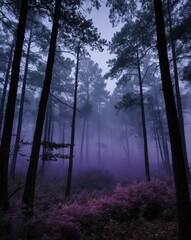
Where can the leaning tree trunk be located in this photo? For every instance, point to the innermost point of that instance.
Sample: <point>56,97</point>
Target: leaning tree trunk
<point>28,195</point>
<point>44,149</point>
<point>20,119</point>
<point>179,169</point>
<point>70,166</point>
<point>10,108</point>
<point>146,156</point>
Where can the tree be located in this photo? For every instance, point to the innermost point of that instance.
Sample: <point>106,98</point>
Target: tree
<point>10,108</point>
<point>158,118</point>
<point>91,96</point>
<point>2,104</point>
<point>177,88</point>
<point>72,138</point>
<point>29,189</point>
<point>99,96</point>
<point>131,46</point>
<point>179,170</point>
<point>86,36</point>
<point>19,126</point>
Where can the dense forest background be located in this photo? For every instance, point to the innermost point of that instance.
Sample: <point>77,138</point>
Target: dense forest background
<point>58,120</point>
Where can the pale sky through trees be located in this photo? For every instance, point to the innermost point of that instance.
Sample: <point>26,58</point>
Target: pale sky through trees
<point>101,21</point>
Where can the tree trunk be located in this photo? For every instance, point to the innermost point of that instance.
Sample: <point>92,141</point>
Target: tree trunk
<point>87,138</point>
<point>166,153</point>
<point>178,97</point>
<point>165,158</point>
<point>125,143</point>
<point>99,134</point>
<point>146,157</point>
<point>179,170</point>
<point>20,119</point>
<point>44,149</point>
<point>5,85</point>
<point>70,167</point>
<point>28,195</point>
<point>82,140</point>
<point>10,109</point>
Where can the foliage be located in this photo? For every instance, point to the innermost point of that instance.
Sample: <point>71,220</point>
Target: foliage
<point>127,100</point>
<point>187,73</point>
<point>53,157</point>
<point>56,218</point>
<point>49,145</point>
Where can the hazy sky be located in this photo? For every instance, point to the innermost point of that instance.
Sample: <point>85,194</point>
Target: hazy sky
<point>101,21</point>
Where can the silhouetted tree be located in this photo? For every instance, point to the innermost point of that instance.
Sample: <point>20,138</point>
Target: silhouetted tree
<point>29,189</point>
<point>158,116</point>
<point>10,108</point>
<point>84,34</point>
<point>91,93</point>
<point>131,46</point>
<point>20,118</point>
<point>7,75</point>
<point>72,138</point>
<point>177,88</point>
<point>180,177</point>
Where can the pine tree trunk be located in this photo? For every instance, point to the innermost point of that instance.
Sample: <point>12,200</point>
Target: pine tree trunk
<point>146,156</point>
<point>178,97</point>
<point>82,140</point>
<point>179,170</point>
<point>44,149</point>
<point>5,85</point>
<point>87,138</point>
<point>165,154</point>
<point>20,119</point>
<point>126,144</point>
<point>99,135</point>
<point>28,195</point>
<point>10,108</point>
<point>70,166</point>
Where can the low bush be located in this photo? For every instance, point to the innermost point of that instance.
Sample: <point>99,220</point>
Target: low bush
<point>75,219</point>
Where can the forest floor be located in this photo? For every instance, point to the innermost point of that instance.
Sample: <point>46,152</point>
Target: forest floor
<point>156,229</point>
<point>97,210</point>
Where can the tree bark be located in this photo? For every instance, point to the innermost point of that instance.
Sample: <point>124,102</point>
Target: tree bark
<point>28,195</point>
<point>70,166</point>
<point>99,133</point>
<point>165,159</point>
<point>10,108</point>
<point>179,170</point>
<point>5,85</point>
<point>178,97</point>
<point>87,138</point>
<point>146,156</point>
<point>82,140</point>
<point>20,119</point>
<point>44,149</point>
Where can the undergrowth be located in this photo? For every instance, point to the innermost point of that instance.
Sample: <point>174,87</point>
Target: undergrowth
<point>87,215</point>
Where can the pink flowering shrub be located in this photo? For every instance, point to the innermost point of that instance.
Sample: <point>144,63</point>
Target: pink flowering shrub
<point>57,218</point>
<point>144,199</point>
